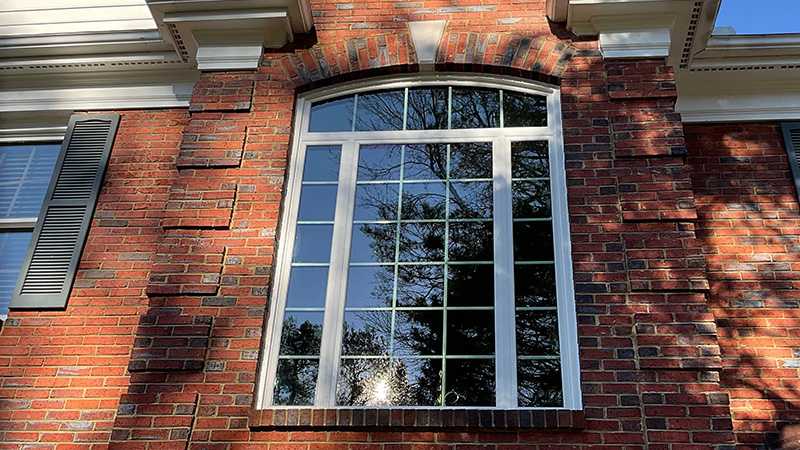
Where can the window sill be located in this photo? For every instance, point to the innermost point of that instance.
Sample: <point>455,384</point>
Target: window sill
<point>317,419</point>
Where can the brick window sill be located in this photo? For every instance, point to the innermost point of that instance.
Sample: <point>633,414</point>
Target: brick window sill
<point>315,419</point>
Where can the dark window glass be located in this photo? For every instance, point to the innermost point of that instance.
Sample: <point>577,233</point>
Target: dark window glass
<point>524,110</point>
<point>332,115</point>
<point>475,108</point>
<point>529,160</point>
<point>471,160</point>
<point>378,162</point>
<point>533,241</point>
<point>25,172</point>
<point>302,333</point>
<point>531,199</point>
<point>423,201</point>
<point>427,108</point>
<point>420,285</point>
<point>425,162</point>
<point>471,241</point>
<point>307,287</point>
<point>366,333</point>
<point>469,382</point>
<point>418,333</point>
<point>539,383</point>
<point>470,285</point>
<point>380,111</point>
<point>537,333</point>
<point>14,248</point>
<point>471,200</point>
<point>535,285</point>
<point>422,242</point>
<point>295,382</point>
<point>470,332</point>
<point>376,201</point>
<point>322,163</point>
<point>384,382</point>
<point>370,286</point>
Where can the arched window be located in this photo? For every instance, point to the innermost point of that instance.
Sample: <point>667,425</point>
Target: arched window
<point>424,255</point>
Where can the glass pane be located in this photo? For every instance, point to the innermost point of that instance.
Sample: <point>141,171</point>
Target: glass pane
<point>376,201</point>
<point>533,241</point>
<point>423,201</point>
<point>425,162</point>
<point>471,160</point>
<point>295,382</point>
<point>470,285</point>
<point>366,333</point>
<point>418,333</point>
<point>322,163</point>
<point>471,200</point>
<point>469,382</point>
<point>422,242</point>
<point>380,111</point>
<point>373,242</point>
<point>471,241</point>
<point>14,248</point>
<point>470,332</point>
<point>312,243</point>
<point>307,287</point>
<point>379,162</point>
<point>529,160</point>
<point>302,333</point>
<point>422,383</point>
<point>369,287</point>
<point>332,115</point>
<point>535,285</point>
<point>420,285</point>
<point>475,108</point>
<point>427,108</point>
<point>537,333</point>
<point>539,383</point>
<point>365,382</point>
<point>531,199</point>
<point>317,202</point>
<point>25,172</point>
<point>524,110</point>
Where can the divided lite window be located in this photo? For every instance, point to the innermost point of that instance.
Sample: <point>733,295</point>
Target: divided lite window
<point>424,258</point>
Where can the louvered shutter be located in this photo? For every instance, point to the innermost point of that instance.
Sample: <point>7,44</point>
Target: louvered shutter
<point>60,233</point>
<point>791,139</point>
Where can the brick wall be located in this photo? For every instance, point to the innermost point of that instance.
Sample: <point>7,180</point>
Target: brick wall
<point>158,345</point>
<point>750,228</point>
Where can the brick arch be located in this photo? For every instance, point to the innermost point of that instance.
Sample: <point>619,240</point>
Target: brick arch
<point>544,58</point>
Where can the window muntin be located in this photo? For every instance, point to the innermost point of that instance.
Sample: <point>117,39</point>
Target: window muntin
<point>409,211</point>
<point>25,172</point>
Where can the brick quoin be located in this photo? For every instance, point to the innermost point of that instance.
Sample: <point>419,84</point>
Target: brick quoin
<point>159,343</point>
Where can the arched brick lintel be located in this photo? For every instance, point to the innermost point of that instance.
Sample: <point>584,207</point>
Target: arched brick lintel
<point>540,58</point>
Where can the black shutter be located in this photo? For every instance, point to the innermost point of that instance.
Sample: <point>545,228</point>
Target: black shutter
<point>60,233</point>
<point>791,139</point>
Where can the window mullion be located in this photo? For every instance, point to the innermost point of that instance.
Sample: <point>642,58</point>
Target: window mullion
<point>504,320</point>
<point>330,350</point>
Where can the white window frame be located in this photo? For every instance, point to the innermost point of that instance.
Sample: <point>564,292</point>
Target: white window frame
<point>505,343</point>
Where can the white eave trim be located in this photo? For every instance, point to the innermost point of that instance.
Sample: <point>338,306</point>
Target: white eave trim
<point>36,134</point>
<point>636,44</point>
<point>96,98</point>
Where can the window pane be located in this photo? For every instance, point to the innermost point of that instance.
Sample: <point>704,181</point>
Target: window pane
<point>537,333</point>
<point>317,202</point>
<point>470,332</point>
<point>427,108</point>
<point>373,242</point>
<point>422,383</point>
<point>531,199</point>
<point>423,201</point>
<point>332,115</point>
<point>471,241</point>
<point>295,382</point>
<point>471,200</point>
<point>535,285</point>
<point>14,248</point>
<point>369,287</point>
<point>471,160</point>
<point>376,201</point>
<point>312,243</point>
<point>529,160</point>
<point>379,162</point>
<point>524,110</point>
<point>366,333</point>
<point>322,163</point>
<point>533,241</point>
<point>469,382</point>
<point>422,242</point>
<point>384,382</point>
<point>470,285</point>
<point>25,172</point>
<point>539,383</point>
<point>302,332</point>
<point>425,162</point>
<point>475,108</point>
<point>418,333</point>
<point>307,286</point>
<point>380,111</point>
<point>420,285</point>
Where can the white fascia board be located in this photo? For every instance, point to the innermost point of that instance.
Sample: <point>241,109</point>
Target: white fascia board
<point>738,96</point>
<point>748,50</point>
<point>636,44</point>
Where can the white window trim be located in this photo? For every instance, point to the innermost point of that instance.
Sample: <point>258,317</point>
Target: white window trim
<point>504,314</point>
